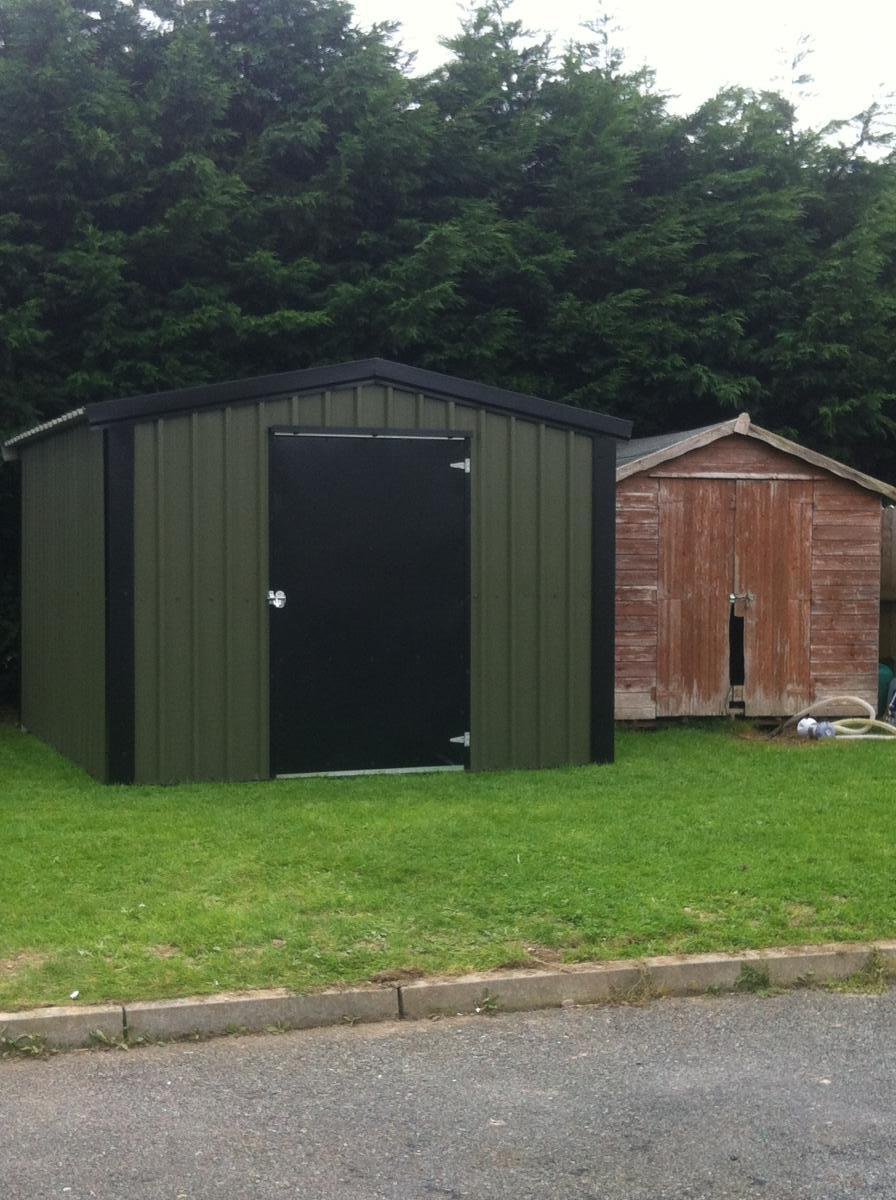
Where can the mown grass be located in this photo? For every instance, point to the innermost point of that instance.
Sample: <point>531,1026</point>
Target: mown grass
<point>696,839</point>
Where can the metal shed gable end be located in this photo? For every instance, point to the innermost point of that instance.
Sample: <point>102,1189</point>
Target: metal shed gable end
<point>184,482</point>
<point>202,702</point>
<point>63,596</point>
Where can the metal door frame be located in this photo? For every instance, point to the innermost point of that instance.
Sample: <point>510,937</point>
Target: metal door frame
<point>372,432</point>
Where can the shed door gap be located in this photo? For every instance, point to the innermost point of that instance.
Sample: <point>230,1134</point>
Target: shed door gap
<point>735,658</point>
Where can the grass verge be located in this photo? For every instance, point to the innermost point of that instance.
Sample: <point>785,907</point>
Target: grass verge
<point>695,840</point>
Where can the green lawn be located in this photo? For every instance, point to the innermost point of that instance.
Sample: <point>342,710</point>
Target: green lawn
<point>696,839</point>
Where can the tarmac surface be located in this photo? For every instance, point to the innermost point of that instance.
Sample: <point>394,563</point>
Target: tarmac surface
<point>790,1096</point>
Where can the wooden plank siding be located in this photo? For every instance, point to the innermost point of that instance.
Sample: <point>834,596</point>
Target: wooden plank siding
<point>818,555</point>
<point>696,556</point>
<point>772,562</point>
<point>637,568</point>
<point>741,456</point>
<point>846,570</point>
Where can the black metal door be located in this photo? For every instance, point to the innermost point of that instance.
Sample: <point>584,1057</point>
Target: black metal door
<point>370,651</point>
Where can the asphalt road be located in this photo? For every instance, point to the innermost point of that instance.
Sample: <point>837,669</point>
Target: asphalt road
<point>791,1096</point>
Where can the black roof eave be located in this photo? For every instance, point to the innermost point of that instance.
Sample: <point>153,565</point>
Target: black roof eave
<point>366,370</point>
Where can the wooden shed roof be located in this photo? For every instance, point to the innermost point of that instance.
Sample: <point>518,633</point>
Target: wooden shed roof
<point>641,454</point>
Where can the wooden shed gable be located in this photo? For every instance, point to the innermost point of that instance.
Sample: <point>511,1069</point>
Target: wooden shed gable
<point>797,543</point>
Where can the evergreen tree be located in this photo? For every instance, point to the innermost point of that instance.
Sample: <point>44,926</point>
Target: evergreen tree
<point>195,190</point>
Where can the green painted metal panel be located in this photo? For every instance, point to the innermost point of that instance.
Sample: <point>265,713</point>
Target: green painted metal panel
<point>63,596</point>
<point>201,577</point>
<point>175,633</point>
<point>149,482</point>
<point>492,601</point>
<point>525,597</point>
<point>245,641</point>
<point>579,485</point>
<point>209,618</point>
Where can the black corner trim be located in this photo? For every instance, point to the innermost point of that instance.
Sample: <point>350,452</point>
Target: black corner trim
<point>367,370</point>
<point>120,696</point>
<point>603,598</point>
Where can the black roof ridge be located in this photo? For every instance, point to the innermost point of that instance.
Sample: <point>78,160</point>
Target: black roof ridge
<point>373,370</point>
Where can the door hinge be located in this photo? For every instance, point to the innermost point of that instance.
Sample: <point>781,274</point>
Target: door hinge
<point>463,465</point>
<point>463,740</point>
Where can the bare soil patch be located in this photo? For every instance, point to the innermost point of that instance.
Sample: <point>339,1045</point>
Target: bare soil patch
<point>24,960</point>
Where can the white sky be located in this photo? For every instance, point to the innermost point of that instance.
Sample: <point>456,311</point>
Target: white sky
<point>698,46</point>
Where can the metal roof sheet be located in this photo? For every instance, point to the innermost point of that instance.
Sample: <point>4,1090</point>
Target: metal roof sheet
<point>368,370</point>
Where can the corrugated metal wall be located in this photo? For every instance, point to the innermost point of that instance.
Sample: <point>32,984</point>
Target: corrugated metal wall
<point>63,595</point>
<point>201,551</point>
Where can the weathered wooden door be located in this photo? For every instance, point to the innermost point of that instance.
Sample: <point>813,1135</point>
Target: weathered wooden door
<point>696,539</point>
<point>751,539</point>
<point>772,580</point>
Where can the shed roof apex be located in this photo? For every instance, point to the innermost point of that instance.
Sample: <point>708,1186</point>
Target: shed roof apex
<point>348,374</point>
<point>641,454</point>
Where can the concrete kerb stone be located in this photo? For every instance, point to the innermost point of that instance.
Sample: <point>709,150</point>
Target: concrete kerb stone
<point>496,991</point>
<point>65,1027</point>
<point>668,975</point>
<point>675,975</point>
<point>208,1015</point>
<point>808,964</point>
<point>514,991</point>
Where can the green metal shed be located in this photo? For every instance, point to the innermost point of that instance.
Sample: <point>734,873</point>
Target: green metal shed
<point>359,567</point>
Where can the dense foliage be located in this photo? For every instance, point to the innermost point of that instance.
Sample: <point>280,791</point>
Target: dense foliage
<point>195,190</point>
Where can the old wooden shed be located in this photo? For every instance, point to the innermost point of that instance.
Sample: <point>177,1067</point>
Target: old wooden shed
<point>747,575</point>
<point>353,568</point>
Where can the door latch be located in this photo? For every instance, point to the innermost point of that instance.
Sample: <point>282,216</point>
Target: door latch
<point>277,599</point>
<point>747,598</point>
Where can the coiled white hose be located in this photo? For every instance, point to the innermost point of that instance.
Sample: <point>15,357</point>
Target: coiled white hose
<point>854,728</point>
<point>858,727</point>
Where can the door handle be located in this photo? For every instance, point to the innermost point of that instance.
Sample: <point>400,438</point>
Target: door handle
<point>277,599</point>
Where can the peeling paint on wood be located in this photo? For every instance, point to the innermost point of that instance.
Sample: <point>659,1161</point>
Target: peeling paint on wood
<point>773,546</point>
<point>696,554</point>
<point>716,522</point>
